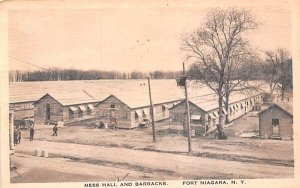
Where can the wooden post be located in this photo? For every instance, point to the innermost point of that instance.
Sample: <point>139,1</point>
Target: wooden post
<point>188,114</point>
<point>151,112</point>
<point>11,136</point>
<point>11,130</point>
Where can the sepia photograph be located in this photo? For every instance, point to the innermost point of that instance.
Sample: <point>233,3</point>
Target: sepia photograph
<point>148,94</point>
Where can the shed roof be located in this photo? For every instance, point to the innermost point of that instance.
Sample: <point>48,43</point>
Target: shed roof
<point>278,106</point>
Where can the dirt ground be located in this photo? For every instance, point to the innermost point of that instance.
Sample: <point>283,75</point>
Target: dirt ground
<point>133,152</point>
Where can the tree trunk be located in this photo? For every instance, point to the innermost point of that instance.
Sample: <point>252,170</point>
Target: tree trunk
<point>221,116</point>
<point>272,87</point>
<point>282,92</point>
<point>227,107</point>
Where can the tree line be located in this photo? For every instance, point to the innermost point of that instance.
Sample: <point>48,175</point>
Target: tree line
<point>55,74</point>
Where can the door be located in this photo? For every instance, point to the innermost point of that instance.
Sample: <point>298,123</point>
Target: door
<point>113,120</point>
<point>275,126</point>
<point>47,112</point>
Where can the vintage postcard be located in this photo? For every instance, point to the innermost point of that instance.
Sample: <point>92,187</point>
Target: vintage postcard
<point>149,93</point>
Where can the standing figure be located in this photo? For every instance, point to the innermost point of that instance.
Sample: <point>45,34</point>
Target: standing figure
<point>55,129</point>
<point>16,136</point>
<point>31,131</point>
<point>19,135</point>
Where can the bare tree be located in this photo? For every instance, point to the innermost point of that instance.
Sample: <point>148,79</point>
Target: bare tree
<point>278,70</point>
<point>218,47</point>
<point>240,79</point>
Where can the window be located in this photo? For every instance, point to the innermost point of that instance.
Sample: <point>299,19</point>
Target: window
<point>123,114</point>
<point>196,119</point>
<point>80,113</point>
<point>136,116</point>
<point>163,110</point>
<point>275,122</point>
<point>112,106</point>
<point>89,112</point>
<point>103,113</point>
<point>28,106</point>
<point>71,114</point>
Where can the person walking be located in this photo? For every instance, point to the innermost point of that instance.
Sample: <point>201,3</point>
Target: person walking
<point>55,129</point>
<point>31,131</point>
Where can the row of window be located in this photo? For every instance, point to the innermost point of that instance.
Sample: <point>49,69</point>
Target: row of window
<point>140,113</point>
<point>232,109</point>
<point>113,114</point>
<point>79,111</point>
<point>23,106</point>
<point>145,112</point>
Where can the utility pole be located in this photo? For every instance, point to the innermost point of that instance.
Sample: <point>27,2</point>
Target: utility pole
<point>188,112</point>
<point>151,112</point>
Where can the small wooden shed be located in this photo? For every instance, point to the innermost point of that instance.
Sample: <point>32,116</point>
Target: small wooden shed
<point>275,122</point>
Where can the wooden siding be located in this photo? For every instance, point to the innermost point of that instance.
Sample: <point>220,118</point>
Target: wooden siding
<point>23,110</point>
<point>177,114</point>
<point>114,112</point>
<point>56,110</point>
<point>285,123</point>
<point>69,117</point>
<point>59,112</point>
<point>127,117</point>
<point>161,112</point>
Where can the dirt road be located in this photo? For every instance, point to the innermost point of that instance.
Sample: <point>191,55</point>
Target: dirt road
<point>142,163</point>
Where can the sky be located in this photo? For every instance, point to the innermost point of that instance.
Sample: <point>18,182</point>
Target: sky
<point>125,38</point>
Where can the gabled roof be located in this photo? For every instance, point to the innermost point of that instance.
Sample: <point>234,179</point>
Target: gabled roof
<point>132,105</point>
<point>110,97</point>
<point>67,99</point>
<point>44,97</point>
<point>183,101</point>
<point>275,106</point>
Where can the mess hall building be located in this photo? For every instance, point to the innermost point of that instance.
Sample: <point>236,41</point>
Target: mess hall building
<point>68,108</point>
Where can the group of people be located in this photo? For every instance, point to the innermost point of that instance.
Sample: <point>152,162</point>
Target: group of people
<point>18,133</point>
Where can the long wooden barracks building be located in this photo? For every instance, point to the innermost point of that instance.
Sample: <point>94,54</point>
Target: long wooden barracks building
<point>123,103</point>
<point>204,111</point>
